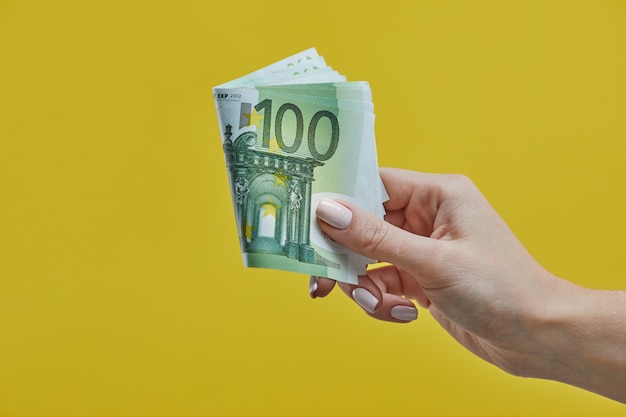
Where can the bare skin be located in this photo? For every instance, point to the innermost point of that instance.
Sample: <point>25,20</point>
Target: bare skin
<point>452,253</point>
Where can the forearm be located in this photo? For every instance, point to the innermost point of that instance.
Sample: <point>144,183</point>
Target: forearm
<point>582,339</point>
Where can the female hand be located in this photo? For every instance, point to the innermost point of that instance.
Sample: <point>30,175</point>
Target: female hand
<point>452,253</point>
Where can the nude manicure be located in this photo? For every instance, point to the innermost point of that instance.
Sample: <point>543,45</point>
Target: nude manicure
<point>312,286</point>
<point>365,299</point>
<point>333,213</point>
<point>404,313</point>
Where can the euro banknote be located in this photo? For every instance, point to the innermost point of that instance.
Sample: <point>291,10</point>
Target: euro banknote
<point>293,133</point>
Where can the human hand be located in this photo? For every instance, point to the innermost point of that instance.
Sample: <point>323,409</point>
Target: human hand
<point>452,253</point>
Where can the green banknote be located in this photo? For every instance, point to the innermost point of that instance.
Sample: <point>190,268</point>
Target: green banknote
<point>294,133</point>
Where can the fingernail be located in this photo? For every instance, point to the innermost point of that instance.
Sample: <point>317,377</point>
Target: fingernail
<point>312,286</point>
<point>333,213</point>
<point>404,313</point>
<point>365,299</point>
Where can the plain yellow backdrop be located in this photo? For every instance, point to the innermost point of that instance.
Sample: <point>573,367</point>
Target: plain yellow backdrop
<point>122,291</point>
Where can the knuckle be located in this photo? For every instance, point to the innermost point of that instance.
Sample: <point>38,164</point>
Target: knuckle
<point>460,181</point>
<point>460,185</point>
<point>373,235</point>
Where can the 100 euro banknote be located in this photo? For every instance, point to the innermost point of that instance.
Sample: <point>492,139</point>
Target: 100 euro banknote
<point>294,133</point>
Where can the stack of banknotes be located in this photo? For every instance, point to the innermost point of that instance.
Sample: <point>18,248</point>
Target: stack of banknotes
<point>294,133</point>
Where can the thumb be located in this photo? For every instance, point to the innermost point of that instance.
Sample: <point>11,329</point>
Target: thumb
<point>373,237</point>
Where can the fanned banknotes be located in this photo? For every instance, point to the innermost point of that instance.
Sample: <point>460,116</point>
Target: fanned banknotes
<point>293,133</point>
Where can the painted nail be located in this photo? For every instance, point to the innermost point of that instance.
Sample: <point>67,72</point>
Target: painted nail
<point>365,299</point>
<point>333,213</point>
<point>404,313</point>
<point>312,286</point>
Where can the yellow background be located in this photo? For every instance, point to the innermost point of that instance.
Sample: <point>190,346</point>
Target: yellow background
<point>122,291</point>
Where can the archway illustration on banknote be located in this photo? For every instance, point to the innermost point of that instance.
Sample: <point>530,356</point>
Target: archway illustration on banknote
<point>272,198</point>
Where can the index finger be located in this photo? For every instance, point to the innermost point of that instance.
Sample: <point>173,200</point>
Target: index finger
<point>414,199</point>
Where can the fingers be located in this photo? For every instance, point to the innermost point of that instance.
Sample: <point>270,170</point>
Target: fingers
<point>320,286</point>
<point>392,280</point>
<point>389,307</point>
<point>403,240</point>
<point>414,198</point>
<point>383,294</point>
<point>368,235</point>
<point>366,294</point>
<point>425,190</point>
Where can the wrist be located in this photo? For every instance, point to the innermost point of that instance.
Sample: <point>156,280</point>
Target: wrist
<point>579,338</point>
